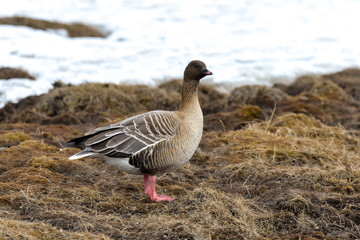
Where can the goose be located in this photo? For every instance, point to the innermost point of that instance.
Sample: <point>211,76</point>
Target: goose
<point>151,143</point>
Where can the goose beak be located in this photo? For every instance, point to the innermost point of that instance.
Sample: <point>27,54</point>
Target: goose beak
<point>206,72</point>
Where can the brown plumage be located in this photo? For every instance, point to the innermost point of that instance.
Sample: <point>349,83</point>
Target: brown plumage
<point>154,142</point>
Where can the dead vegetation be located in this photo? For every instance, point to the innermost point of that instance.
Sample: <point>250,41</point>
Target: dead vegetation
<point>73,29</point>
<point>290,176</point>
<point>8,73</point>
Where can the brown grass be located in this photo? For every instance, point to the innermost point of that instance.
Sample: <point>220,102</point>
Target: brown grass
<point>286,176</point>
<point>73,29</point>
<point>297,179</point>
<point>317,96</point>
<point>69,104</point>
<point>8,73</point>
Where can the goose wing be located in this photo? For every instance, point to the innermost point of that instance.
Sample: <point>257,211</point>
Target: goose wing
<point>128,137</point>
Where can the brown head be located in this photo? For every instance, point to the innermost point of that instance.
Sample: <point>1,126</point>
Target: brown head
<point>196,70</point>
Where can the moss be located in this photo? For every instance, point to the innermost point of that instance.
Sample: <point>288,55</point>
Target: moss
<point>74,29</point>
<point>35,145</point>
<point>8,73</point>
<point>48,134</point>
<point>12,138</point>
<point>251,112</point>
<point>43,162</point>
<point>31,175</point>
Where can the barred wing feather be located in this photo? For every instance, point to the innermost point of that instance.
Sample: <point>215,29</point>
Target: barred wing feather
<point>132,135</point>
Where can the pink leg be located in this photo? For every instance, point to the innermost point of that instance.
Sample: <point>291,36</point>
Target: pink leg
<point>149,182</point>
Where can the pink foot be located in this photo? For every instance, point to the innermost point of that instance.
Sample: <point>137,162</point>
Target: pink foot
<point>159,198</point>
<point>149,185</point>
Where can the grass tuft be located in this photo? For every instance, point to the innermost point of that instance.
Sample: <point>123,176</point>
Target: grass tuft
<point>290,172</point>
<point>73,29</point>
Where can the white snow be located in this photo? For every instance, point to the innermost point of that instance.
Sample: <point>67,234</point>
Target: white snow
<point>242,42</point>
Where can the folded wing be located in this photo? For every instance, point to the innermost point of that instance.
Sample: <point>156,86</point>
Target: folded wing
<point>128,137</point>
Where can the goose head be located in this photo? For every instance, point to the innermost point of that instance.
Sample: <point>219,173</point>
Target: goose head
<point>196,70</point>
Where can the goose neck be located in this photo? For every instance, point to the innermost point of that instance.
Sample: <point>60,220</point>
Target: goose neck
<point>189,94</point>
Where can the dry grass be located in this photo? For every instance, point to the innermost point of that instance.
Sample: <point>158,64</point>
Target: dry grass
<point>73,30</point>
<point>8,73</point>
<point>318,96</point>
<point>282,176</point>
<point>17,229</point>
<point>96,103</point>
<point>297,179</point>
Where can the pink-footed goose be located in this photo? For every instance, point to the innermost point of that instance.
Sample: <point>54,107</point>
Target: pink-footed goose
<point>154,142</point>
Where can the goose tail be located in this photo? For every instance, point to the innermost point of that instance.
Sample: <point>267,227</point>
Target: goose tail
<point>84,153</point>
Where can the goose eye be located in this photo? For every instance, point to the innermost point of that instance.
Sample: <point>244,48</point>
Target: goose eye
<point>196,66</point>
